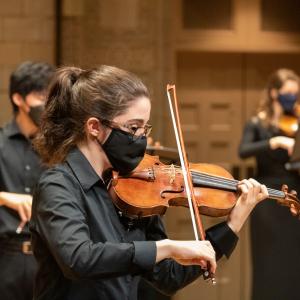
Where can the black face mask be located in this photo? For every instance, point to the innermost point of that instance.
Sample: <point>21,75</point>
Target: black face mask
<point>124,151</point>
<point>288,102</point>
<point>35,114</point>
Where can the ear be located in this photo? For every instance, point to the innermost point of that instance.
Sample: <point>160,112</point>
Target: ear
<point>274,94</point>
<point>94,127</point>
<point>18,100</point>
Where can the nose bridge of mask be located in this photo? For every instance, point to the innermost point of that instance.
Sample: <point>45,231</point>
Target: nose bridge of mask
<point>288,96</point>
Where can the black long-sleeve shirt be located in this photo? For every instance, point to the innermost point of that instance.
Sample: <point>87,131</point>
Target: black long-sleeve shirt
<point>85,250</point>
<point>20,169</point>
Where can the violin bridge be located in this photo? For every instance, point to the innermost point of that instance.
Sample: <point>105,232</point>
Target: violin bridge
<point>172,173</point>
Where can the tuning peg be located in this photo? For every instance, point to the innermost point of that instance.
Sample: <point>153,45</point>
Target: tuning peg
<point>285,188</point>
<point>294,212</point>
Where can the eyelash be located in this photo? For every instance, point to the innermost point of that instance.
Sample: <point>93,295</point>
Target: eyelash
<point>133,128</point>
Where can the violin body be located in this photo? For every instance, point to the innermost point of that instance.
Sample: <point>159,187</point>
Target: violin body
<point>153,187</point>
<point>288,124</point>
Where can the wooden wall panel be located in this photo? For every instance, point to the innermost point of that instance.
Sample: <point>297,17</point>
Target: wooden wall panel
<point>278,15</point>
<point>250,30</point>
<point>27,32</point>
<point>210,93</point>
<point>214,14</point>
<point>128,34</point>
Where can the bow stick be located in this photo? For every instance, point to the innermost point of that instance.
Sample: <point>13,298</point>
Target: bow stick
<point>193,207</point>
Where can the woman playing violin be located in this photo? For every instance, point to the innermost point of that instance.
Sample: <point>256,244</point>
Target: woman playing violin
<point>86,248</point>
<point>275,236</point>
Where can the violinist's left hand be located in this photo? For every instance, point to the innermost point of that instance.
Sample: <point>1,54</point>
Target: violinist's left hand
<point>283,142</point>
<point>252,192</point>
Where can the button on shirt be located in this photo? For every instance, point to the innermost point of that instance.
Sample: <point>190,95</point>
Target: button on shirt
<point>84,248</point>
<point>20,169</point>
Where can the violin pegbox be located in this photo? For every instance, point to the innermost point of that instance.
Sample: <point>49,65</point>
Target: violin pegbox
<point>291,200</point>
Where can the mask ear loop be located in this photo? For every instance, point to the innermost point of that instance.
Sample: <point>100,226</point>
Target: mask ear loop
<point>104,125</point>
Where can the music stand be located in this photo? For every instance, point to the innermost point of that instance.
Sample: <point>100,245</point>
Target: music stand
<point>166,154</point>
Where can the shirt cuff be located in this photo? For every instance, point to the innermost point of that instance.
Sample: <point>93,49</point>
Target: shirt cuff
<point>144,254</point>
<point>264,145</point>
<point>222,238</point>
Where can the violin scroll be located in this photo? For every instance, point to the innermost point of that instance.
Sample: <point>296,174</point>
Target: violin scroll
<point>290,200</point>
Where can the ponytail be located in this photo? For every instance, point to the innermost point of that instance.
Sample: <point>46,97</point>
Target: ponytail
<point>56,135</point>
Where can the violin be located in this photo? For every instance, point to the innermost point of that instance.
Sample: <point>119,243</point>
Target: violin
<point>288,124</point>
<point>153,187</point>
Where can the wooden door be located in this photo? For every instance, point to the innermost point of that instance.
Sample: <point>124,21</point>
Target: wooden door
<point>210,95</point>
<point>218,92</point>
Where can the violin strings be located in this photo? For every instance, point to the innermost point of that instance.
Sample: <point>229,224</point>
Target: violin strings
<point>214,179</point>
<point>225,182</point>
<point>233,184</point>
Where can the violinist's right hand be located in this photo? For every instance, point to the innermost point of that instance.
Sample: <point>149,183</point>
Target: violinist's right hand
<point>188,253</point>
<point>283,142</point>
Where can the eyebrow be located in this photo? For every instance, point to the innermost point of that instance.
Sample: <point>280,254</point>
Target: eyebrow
<point>136,120</point>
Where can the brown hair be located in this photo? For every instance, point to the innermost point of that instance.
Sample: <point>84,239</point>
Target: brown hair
<point>74,96</point>
<point>276,81</point>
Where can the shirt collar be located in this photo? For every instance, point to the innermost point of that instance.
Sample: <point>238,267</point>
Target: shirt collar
<point>82,169</point>
<point>12,129</point>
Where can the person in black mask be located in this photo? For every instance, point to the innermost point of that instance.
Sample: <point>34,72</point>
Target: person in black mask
<point>275,236</point>
<point>20,168</point>
<point>96,120</point>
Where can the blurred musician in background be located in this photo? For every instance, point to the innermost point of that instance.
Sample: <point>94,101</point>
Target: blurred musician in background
<point>275,236</point>
<point>19,171</point>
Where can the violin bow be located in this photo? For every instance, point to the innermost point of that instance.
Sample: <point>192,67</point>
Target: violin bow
<point>188,183</point>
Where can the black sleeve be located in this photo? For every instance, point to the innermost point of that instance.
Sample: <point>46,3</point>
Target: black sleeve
<point>249,146</point>
<point>222,238</point>
<point>62,223</point>
<point>168,276</point>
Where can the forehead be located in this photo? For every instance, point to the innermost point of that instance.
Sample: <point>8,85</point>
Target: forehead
<point>139,109</point>
<point>36,97</point>
<point>290,86</point>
